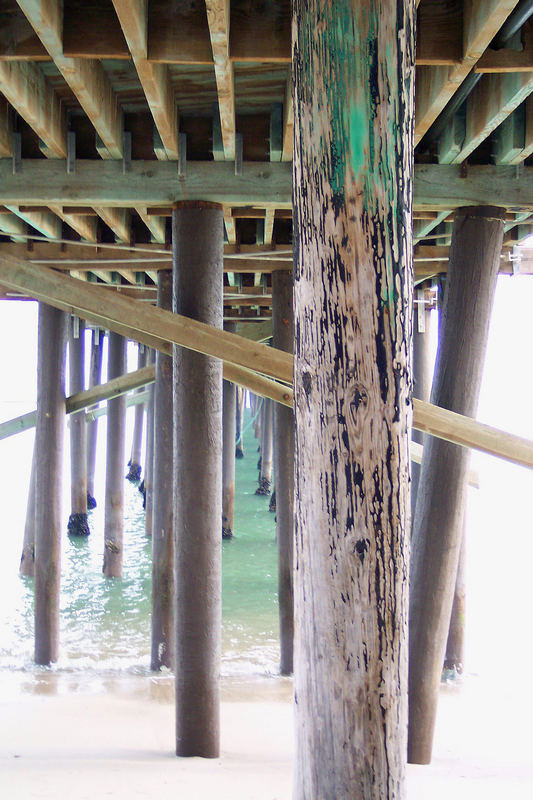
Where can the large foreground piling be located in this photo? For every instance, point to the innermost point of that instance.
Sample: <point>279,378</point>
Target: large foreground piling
<point>163,500</point>
<point>472,273</point>
<point>114,487</point>
<point>265,470</point>
<point>49,439</point>
<point>77,521</point>
<point>353,70</point>
<point>229,402</point>
<point>283,339</point>
<point>95,378</point>
<point>197,240</point>
<point>135,469</point>
<point>27,559</point>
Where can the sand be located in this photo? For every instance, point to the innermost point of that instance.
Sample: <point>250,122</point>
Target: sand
<point>113,739</point>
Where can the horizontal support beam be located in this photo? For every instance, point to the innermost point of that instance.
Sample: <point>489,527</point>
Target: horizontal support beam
<point>440,186</point>
<point>148,183</point>
<point>266,184</point>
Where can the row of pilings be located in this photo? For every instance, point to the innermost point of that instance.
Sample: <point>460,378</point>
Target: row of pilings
<point>188,479</point>
<point>437,611</point>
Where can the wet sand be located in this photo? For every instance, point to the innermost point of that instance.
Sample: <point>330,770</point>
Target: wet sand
<point>116,741</point>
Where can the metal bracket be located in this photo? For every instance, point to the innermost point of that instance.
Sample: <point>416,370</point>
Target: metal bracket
<point>516,259</point>
<point>75,327</point>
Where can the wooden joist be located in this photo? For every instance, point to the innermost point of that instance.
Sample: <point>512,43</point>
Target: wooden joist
<point>28,91</point>
<point>492,100</point>
<point>154,78</point>
<point>6,130</point>
<point>86,77</point>
<point>218,18</point>
<point>156,225</point>
<point>44,221</point>
<point>436,85</point>
<point>118,219</point>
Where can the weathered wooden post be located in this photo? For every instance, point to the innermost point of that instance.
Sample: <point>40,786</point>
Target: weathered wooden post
<point>134,464</point>
<point>27,559</point>
<point>49,437</point>
<point>265,473</point>
<point>256,413</point>
<point>283,339</point>
<point>148,482</point>
<point>197,240</point>
<point>228,450</point>
<point>239,421</point>
<point>353,68</point>
<point>455,643</point>
<point>163,648</point>
<point>95,377</point>
<point>422,375</point>
<point>78,524</point>
<point>115,457</point>
<point>472,273</point>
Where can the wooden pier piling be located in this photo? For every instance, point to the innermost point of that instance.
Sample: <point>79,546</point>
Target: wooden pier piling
<point>228,451</point>
<point>134,464</point>
<point>49,438</point>
<point>436,541</point>
<point>115,457</point>
<point>283,338</point>
<point>163,625</point>
<point>78,524</point>
<point>422,377</point>
<point>148,482</point>
<point>197,239</point>
<point>239,420</point>
<point>265,471</point>
<point>95,378</point>
<point>353,71</point>
<point>27,559</point>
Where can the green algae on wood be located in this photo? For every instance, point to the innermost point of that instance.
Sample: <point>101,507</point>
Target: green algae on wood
<point>353,107</point>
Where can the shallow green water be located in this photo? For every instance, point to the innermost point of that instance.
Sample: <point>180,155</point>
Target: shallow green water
<point>105,624</point>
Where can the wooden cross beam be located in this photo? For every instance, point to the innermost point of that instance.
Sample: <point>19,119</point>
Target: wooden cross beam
<point>242,358</point>
<point>267,185</point>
